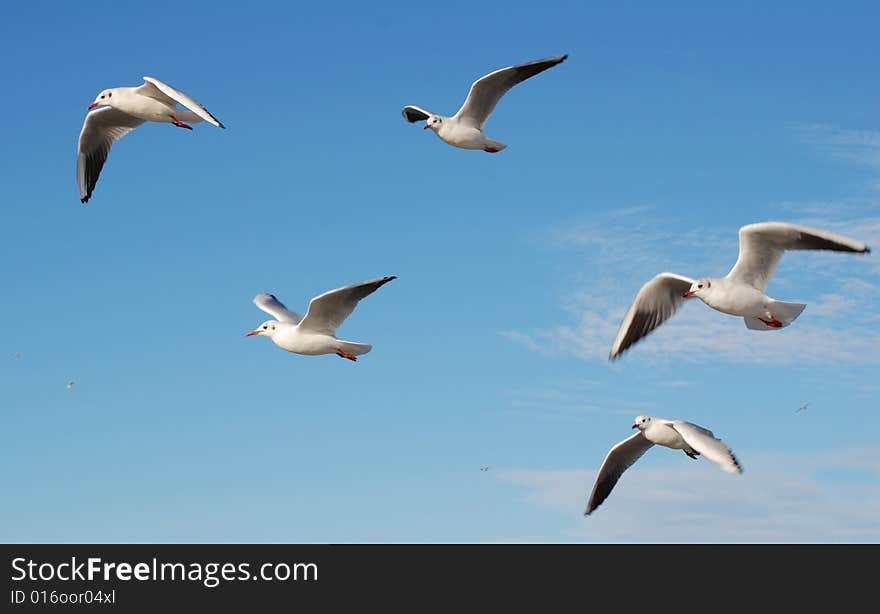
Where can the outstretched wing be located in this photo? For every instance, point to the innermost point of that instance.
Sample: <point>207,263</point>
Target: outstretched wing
<point>276,309</point>
<point>703,441</point>
<point>101,128</point>
<point>414,114</point>
<point>167,94</point>
<point>761,246</point>
<point>618,460</point>
<point>327,311</point>
<point>654,304</point>
<point>487,91</point>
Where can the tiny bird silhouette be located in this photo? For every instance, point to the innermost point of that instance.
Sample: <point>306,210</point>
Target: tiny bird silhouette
<point>69,385</point>
<point>484,469</point>
<point>802,407</point>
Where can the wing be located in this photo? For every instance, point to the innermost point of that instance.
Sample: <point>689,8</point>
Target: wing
<point>704,441</point>
<point>101,128</point>
<point>167,94</point>
<point>654,304</point>
<point>276,309</point>
<point>619,459</point>
<point>761,246</point>
<point>414,114</point>
<point>487,91</point>
<point>327,311</point>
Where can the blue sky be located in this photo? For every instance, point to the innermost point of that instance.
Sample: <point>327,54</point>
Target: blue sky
<point>667,129</point>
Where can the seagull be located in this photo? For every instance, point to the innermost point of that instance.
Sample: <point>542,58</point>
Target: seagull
<point>676,434</point>
<point>802,407</point>
<point>740,292</point>
<point>465,128</point>
<point>69,385</point>
<point>484,469</point>
<point>315,333</point>
<point>122,109</point>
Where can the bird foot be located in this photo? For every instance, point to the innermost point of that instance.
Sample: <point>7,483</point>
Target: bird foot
<point>180,124</point>
<point>491,149</point>
<point>772,321</point>
<point>693,455</point>
<point>342,354</point>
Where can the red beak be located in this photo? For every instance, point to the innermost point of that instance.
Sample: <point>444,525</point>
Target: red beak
<point>93,105</point>
<point>688,293</point>
<point>426,127</point>
<point>253,332</point>
<point>635,426</point>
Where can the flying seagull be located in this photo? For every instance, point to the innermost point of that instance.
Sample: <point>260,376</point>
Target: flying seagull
<point>69,385</point>
<point>484,469</point>
<point>465,128</point>
<point>676,434</point>
<point>122,109</point>
<point>740,292</point>
<point>315,333</point>
<point>802,407</point>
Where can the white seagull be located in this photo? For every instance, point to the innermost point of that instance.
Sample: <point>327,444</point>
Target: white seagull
<point>315,333</point>
<point>122,110</point>
<point>676,434</point>
<point>465,128</point>
<point>740,292</point>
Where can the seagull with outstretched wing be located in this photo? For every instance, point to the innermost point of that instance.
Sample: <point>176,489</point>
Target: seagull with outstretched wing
<point>465,128</point>
<point>122,109</point>
<point>315,333</point>
<point>741,292</point>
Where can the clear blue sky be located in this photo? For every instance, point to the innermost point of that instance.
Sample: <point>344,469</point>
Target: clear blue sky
<point>667,129</point>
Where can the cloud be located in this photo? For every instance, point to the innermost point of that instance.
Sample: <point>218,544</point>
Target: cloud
<point>860,146</point>
<point>839,325</point>
<point>779,498</point>
<point>700,332</point>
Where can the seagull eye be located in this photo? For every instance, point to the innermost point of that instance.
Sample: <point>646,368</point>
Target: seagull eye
<point>102,96</point>
<point>699,285</point>
<point>109,95</point>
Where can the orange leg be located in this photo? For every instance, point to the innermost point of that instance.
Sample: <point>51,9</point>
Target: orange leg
<point>180,124</point>
<point>342,354</point>
<point>772,321</point>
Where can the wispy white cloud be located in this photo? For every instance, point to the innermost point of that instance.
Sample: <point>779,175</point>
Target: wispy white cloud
<point>838,325</point>
<point>861,146</point>
<point>779,498</point>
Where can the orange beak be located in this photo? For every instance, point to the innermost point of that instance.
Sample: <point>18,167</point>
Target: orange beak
<point>252,333</point>
<point>688,293</point>
<point>93,105</point>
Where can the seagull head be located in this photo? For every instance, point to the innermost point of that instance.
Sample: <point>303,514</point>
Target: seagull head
<point>641,422</point>
<point>267,329</point>
<point>699,288</point>
<point>434,122</point>
<point>104,99</point>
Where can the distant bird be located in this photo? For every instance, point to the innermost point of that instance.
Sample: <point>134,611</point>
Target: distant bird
<point>802,407</point>
<point>484,469</point>
<point>740,292</point>
<point>465,128</point>
<point>123,110</point>
<point>676,434</point>
<point>315,333</point>
<point>18,356</point>
<point>69,385</point>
